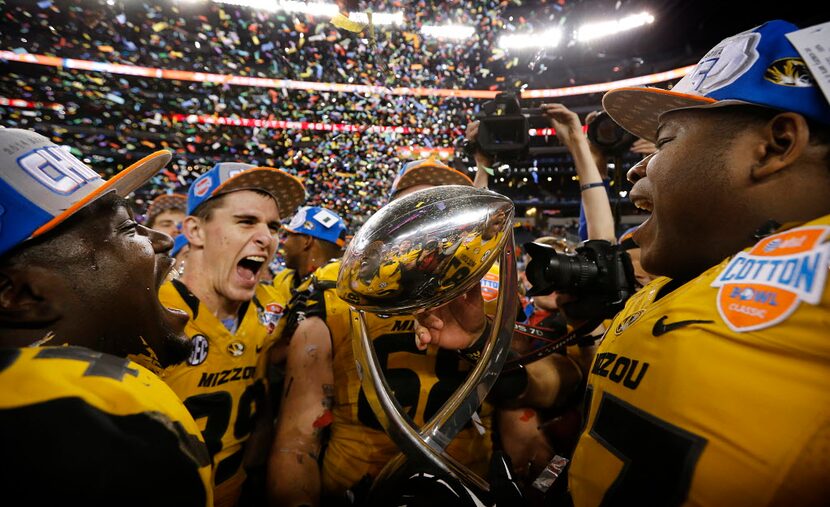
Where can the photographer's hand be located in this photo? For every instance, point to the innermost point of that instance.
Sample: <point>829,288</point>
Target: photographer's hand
<point>599,157</point>
<point>455,325</point>
<point>566,123</point>
<point>598,216</point>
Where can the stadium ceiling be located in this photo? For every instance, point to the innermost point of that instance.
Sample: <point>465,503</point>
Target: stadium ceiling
<point>554,43</point>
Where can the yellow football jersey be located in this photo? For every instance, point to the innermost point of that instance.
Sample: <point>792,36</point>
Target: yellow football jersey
<point>80,427</point>
<point>386,281</point>
<point>710,394</point>
<point>471,253</point>
<point>422,381</point>
<point>223,381</point>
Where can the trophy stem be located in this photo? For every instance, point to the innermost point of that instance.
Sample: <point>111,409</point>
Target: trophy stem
<point>425,446</point>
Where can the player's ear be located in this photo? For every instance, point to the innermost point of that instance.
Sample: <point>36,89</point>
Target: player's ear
<point>783,141</point>
<point>308,241</point>
<point>194,231</point>
<point>26,298</point>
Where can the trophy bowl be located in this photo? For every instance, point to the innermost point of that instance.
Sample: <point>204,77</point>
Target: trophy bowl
<point>424,249</point>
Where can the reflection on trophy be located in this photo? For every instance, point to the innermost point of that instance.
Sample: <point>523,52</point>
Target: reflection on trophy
<point>419,252</point>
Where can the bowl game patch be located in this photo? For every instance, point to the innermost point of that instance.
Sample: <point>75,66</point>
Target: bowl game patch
<point>763,286</point>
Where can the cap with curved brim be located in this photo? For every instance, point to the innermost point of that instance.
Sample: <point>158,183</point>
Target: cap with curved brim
<point>638,109</point>
<point>287,190</point>
<point>123,183</point>
<point>431,175</point>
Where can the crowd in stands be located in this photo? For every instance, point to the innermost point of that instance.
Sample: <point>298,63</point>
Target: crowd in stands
<point>121,118</point>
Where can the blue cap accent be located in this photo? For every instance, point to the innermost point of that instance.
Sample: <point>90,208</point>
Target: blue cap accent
<point>775,75</point>
<point>206,185</point>
<point>42,184</point>
<point>225,177</point>
<point>320,223</point>
<point>178,243</point>
<point>759,67</point>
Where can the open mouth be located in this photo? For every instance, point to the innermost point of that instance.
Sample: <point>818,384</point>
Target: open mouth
<point>248,268</point>
<point>176,318</point>
<point>642,203</point>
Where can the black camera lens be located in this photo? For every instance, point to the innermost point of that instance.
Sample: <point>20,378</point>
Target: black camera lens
<point>569,273</point>
<point>550,271</point>
<point>611,139</point>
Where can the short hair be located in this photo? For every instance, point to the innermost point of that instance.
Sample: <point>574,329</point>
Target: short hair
<point>735,118</point>
<point>205,210</point>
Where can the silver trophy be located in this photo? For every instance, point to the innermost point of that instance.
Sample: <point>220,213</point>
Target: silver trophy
<point>418,252</point>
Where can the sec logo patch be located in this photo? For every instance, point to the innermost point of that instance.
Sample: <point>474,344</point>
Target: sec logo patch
<point>200,350</point>
<point>202,186</point>
<point>765,285</point>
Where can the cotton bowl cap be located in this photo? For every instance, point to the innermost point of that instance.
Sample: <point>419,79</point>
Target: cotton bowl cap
<point>428,171</point>
<point>320,223</point>
<point>42,184</point>
<point>227,177</point>
<point>759,67</point>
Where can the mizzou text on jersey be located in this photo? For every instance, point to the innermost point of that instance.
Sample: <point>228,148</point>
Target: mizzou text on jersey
<point>223,381</point>
<point>743,348</point>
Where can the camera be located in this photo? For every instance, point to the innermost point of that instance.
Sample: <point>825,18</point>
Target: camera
<point>599,274</point>
<point>503,126</point>
<point>608,136</point>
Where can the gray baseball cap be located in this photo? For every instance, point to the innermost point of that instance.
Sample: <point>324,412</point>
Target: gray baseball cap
<point>43,184</point>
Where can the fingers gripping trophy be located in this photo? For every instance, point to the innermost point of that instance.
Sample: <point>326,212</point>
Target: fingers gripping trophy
<point>420,252</point>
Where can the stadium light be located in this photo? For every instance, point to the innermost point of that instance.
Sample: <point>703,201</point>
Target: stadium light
<point>591,31</point>
<point>322,9</point>
<point>378,18</point>
<point>458,32</point>
<point>547,39</point>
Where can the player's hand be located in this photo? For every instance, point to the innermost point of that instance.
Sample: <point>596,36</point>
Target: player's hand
<point>565,122</point>
<point>455,325</point>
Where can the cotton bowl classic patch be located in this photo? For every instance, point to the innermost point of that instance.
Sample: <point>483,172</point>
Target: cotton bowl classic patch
<point>765,285</point>
<point>490,286</point>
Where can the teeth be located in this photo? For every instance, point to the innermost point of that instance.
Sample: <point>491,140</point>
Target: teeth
<point>643,205</point>
<point>255,258</point>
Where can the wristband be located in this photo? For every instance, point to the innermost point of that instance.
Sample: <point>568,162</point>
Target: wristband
<point>473,352</point>
<point>488,170</point>
<point>591,185</point>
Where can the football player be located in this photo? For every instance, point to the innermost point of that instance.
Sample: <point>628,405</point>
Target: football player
<point>166,213</point>
<point>312,238</point>
<point>704,390</point>
<point>323,391</point>
<point>80,424</point>
<point>232,227</point>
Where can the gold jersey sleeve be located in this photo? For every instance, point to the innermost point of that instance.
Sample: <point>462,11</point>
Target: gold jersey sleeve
<point>224,380</point>
<point>422,381</point>
<point>80,427</point>
<point>709,395</point>
<point>386,281</point>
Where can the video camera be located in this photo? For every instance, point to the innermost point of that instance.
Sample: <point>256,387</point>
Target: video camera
<point>599,274</point>
<point>503,126</point>
<point>608,136</point>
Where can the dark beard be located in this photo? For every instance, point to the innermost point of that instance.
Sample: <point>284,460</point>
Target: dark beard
<point>173,348</point>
